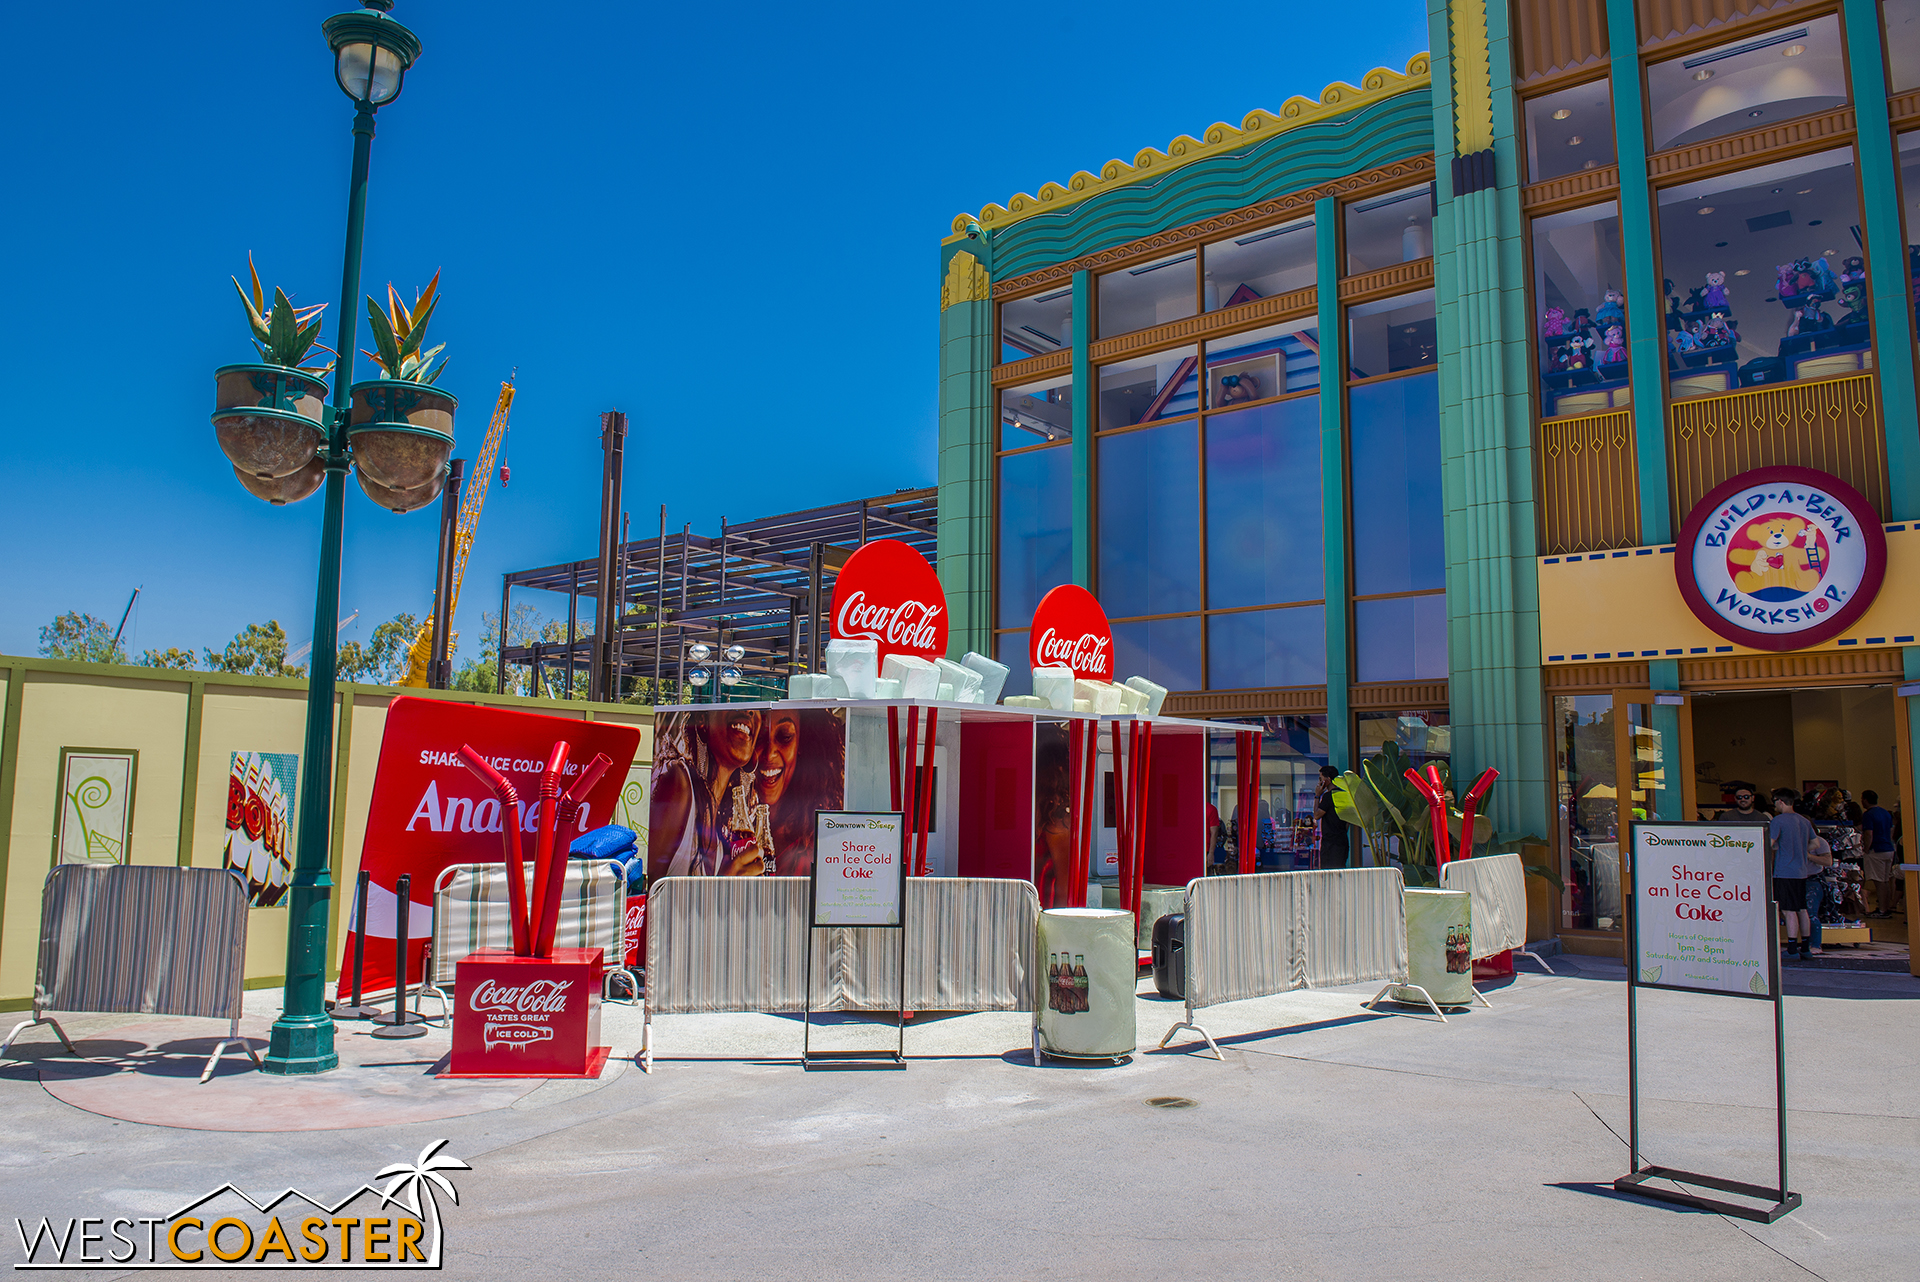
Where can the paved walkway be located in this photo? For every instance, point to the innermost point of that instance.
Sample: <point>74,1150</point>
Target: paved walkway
<point>1332,1142</point>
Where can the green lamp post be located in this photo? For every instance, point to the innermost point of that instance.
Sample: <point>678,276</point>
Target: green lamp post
<point>371,55</point>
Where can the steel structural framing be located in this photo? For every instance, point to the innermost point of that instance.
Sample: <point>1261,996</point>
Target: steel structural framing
<point>765,585</point>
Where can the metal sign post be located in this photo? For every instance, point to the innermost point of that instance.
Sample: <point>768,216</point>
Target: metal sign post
<point>1701,910</point>
<point>859,880</point>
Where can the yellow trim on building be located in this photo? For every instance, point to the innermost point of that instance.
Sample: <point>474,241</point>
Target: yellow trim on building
<point>1336,99</point>
<point>1472,78</point>
<point>1605,605</point>
<point>966,282</point>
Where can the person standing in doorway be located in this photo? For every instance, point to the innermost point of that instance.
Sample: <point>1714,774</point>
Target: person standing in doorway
<point>1792,835</point>
<point>1820,856</point>
<point>1333,829</point>
<point>1743,807</point>
<point>1876,853</point>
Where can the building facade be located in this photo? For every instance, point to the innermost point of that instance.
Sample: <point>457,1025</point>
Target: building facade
<point>1380,418</point>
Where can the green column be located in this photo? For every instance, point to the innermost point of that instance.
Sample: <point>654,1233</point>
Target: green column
<point>1670,800</point>
<point>1333,477</point>
<point>1486,432</point>
<point>1646,327</point>
<point>1083,424</point>
<point>1888,284</point>
<point>965,544</point>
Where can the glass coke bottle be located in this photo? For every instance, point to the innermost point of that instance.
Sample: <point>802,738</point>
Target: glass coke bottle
<point>1080,1002</point>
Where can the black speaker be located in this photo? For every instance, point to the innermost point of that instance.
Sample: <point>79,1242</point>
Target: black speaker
<point>1170,955</point>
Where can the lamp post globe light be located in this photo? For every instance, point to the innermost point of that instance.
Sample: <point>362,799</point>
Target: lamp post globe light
<point>407,442</point>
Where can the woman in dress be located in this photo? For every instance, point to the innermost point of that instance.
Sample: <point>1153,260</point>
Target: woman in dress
<point>802,768</point>
<point>691,806</point>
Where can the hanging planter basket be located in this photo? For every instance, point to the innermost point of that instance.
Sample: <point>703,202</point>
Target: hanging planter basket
<point>287,489</point>
<point>402,434</point>
<point>400,502</point>
<point>268,418</point>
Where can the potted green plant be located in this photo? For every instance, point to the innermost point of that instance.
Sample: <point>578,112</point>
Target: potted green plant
<point>270,416</point>
<point>401,426</point>
<point>1395,821</point>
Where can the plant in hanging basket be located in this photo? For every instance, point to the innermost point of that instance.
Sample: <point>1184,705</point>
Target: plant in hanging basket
<point>401,426</point>
<point>268,416</point>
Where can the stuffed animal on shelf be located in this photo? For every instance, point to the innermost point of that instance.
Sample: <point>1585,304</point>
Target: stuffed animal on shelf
<point>1716,295</point>
<point>1612,309</point>
<point>1718,332</point>
<point>1823,277</point>
<point>1238,387</point>
<point>1580,352</point>
<point>1783,280</point>
<point>1581,322</point>
<point>1616,348</point>
<point>1811,318</point>
<point>1804,281</point>
<point>1553,322</point>
<point>1853,272</point>
<point>1696,300</point>
<point>1684,340</point>
<point>1854,296</point>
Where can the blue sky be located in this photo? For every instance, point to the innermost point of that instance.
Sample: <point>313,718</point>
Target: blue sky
<point>720,219</point>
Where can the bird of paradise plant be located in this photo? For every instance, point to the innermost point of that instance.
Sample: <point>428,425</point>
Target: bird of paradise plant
<point>283,334</point>
<point>399,331</point>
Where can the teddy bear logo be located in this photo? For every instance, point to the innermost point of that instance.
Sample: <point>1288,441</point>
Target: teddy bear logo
<point>1788,560</point>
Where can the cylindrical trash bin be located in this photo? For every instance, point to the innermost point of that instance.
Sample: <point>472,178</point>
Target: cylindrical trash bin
<point>1439,947</point>
<point>1090,974</point>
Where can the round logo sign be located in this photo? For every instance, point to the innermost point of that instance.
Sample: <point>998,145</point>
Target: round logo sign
<point>1781,558</point>
<point>1070,630</point>
<point>888,593</point>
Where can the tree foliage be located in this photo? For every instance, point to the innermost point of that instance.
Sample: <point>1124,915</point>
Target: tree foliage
<point>82,638</point>
<point>171,657</point>
<point>258,650</point>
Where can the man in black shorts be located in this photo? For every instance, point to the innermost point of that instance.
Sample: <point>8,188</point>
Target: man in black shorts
<point>1792,834</point>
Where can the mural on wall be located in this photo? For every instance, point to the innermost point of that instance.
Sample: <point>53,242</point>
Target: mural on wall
<point>260,791</point>
<point>96,805</point>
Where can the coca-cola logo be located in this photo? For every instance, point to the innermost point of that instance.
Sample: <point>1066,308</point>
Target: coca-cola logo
<point>1088,655</point>
<point>542,996</point>
<point>1070,630</point>
<point>887,593</point>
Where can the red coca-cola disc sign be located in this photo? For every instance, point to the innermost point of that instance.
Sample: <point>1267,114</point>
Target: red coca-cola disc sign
<point>888,593</point>
<point>1070,630</point>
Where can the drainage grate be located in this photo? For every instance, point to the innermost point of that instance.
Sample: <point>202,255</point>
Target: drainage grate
<point>1173,1101</point>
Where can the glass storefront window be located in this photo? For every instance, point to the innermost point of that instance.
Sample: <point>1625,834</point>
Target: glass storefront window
<point>1391,334</point>
<point>1394,459</point>
<point>1166,651</point>
<point>1036,531</point>
<point>1011,648</point>
<point>1767,279</point>
<point>1588,809</point>
<point>1263,506</point>
<point>1569,131</point>
<point>1292,750</point>
<point>1259,264</point>
<point>1036,412</point>
<point>1164,385</point>
<point>1422,736</point>
<point>1579,302</point>
<point>1400,638</point>
<point>1254,648</point>
<point>1149,523</point>
<point>1262,363</point>
<point>1036,325</point>
<point>1901,19</point>
<point>1148,294</point>
<point>1749,83</point>
<point>1385,230</point>
<point>1910,203</point>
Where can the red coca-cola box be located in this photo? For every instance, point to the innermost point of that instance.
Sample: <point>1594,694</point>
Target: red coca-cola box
<point>528,1016</point>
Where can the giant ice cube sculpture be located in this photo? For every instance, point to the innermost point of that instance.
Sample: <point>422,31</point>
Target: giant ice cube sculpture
<point>856,661</point>
<point>1100,696</point>
<point>1156,694</point>
<point>965,682</point>
<point>1055,685</point>
<point>993,675</point>
<point>918,679</point>
<point>807,685</point>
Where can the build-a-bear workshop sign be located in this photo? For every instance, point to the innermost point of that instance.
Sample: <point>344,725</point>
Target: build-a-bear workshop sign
<point>1781,558</point>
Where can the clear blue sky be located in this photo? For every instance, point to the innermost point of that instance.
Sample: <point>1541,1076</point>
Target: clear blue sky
<point>722,219</point>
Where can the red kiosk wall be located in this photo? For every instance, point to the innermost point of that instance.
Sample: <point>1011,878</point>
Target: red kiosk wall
<point>996,800</point>
<point>1177,811</point>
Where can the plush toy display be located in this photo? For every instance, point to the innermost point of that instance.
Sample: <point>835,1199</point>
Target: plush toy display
<point>1612,309</point>
<point>1718,332</point>
<point>1823,277</point>
<point>1716,295</point>
<point>1853,272</point>
<point>1854,296</point>
<point>1811,318</point>
<point>1553,322</point>
<point>1783,277</point>
<point>1616,348</point>
<point>1238,387</point>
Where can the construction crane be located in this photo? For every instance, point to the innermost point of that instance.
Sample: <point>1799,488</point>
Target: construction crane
<point>471,502</point>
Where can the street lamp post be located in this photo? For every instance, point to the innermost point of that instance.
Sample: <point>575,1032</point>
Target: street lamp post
<point>371,55</point>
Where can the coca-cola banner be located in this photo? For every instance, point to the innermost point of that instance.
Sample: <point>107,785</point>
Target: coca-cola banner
<point>428,811</point>
<point>887,592</point>
<point>1070,630</point>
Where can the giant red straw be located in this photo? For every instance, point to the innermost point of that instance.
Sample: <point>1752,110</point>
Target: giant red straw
<point>1143,769</point>
<point>926,791</point>
<point>1428,786</point>
<point>1075,819</point>
<point>1089,794</point>
<point>1120,807</point>
<point>549,874</point>
<point>1470,804</point>
<point>1249,801</point>
<point>893,754</point>
<point>513,816</point>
